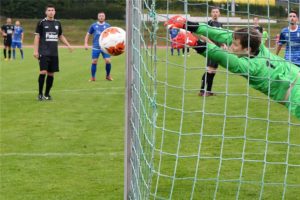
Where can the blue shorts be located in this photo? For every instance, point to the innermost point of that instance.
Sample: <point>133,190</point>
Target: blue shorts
<point>96,53</point>
<point>16,44</point>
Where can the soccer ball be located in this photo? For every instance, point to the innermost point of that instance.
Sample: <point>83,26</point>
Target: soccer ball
<point>112,41</point>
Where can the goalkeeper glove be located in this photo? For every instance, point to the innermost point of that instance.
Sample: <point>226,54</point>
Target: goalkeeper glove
<point>175,22</point>
<point>184,38</point>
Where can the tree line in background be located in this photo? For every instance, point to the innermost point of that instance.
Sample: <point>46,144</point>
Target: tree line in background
<point>65,9</point>
<point>115,9</point>
<point>202,7</point>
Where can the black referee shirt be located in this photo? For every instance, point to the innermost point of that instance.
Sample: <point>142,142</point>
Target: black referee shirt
<point>8,29</point>
<point>49,31</point>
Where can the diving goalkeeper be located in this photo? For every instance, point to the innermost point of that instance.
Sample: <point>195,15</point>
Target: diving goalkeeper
<point>246,55</point>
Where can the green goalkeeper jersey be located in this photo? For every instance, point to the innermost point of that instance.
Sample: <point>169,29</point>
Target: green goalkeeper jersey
<point>267,72</point>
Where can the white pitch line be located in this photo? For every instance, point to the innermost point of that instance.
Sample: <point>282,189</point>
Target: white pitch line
<point>67,90</point>
<point>58,154</point>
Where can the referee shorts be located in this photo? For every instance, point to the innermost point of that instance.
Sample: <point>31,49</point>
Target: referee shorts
<point>7,41</point>
<point>212,63</point>
<point>49,63</point>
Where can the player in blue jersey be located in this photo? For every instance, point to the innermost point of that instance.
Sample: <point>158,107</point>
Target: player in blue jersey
<point>173,33</point>
<point>96,29</point>
<point>17,40</point>
<point>291,37</point>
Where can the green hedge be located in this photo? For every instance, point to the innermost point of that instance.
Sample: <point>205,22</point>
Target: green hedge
<point>67,9</point>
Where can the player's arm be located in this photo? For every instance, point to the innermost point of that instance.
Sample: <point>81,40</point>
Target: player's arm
<point>36,45</point>
<point>22,37</point>
<point>219,35</point>
<point>281,42</point>
<point>86,41</point>
<point>3,31</point>
<point>64,40</point>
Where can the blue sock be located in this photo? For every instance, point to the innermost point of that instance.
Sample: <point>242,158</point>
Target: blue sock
<point>14,54</point>
<point>22,54</point>
<point>108,68</point>
<point>93,70</point>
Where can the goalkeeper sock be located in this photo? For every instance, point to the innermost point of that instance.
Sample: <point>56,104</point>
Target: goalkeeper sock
<point>93,70</point>
<point>41,81</point>
<point>210,79</point>
<point>9,53</point>
<point>14,53</point>
<point>108,68</point>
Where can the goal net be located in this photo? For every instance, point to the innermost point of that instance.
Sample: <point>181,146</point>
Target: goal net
<point>238,144</point>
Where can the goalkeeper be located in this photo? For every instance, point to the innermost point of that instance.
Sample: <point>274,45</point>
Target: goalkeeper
<point>266,72</point>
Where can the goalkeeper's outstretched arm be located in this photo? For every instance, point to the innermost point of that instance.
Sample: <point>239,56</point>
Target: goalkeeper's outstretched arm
<point>220,35</point>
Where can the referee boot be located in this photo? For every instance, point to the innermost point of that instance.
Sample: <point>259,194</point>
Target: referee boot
<point>48,97</point>
<point>40,97</point>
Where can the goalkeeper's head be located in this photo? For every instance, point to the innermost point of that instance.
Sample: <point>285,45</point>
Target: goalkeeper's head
<point>246,42</point>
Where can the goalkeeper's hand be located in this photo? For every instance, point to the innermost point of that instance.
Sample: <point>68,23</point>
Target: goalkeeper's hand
<point>184,38</point>
<point>175,22</point>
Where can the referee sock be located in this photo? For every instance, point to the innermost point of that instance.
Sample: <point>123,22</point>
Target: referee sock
<point>9,53</point>
<point>93,70</point>
<point>203,82</point>
<point>14,54</point>
<point>210,80</point>
<point>49,83</point>
<point>108,68</point>
<point>41,81</point>
<point>4,53</point>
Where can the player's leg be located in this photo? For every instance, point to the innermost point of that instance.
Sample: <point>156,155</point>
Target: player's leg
<point>53,67</point>
<point>49,84</point>
<point>13,46</point>
<point>19,45</point>
<point>172,51</point>
<point>5,52</point>
<point>95,56</point>
<point>44,62</point>
<point>9,49</point>
<point>211,72</point>
<point>5,48</point>
<point>107,60</point>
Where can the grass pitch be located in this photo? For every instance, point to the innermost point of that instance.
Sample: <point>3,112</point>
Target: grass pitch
<point>72,147</point>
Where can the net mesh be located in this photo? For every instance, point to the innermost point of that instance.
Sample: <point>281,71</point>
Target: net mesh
<point>239,144</point>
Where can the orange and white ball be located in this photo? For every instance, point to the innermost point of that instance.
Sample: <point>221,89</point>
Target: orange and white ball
<point>112,41</point>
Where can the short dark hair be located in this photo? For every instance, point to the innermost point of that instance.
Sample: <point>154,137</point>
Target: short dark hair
<point>49,6</point>
<point>215,8</point>
<point>244,34</point>
<point>294,11</point>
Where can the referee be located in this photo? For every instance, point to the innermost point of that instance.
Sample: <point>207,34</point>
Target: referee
<point>47,33</point>
<point>208,76</point>
<point>7,31</point>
